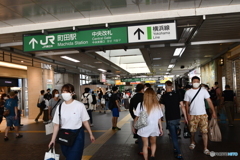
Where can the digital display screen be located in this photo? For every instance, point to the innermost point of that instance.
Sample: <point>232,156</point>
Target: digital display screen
<point>9,82</point>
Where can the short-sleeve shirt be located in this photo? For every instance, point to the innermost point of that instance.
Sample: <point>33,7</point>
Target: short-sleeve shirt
<point>113,100</point>
<point>10,104</point>
<point>228,95</point>
<point>171,100</point>
<point>197,107</point>
<point>52,103</point>
<point>72,115</point>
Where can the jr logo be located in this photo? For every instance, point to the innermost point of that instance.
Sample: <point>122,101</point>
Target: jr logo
<point>50,38</point>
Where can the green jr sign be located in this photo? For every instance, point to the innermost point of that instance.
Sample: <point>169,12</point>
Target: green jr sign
<point>130,79</point>
<point>76,39</point>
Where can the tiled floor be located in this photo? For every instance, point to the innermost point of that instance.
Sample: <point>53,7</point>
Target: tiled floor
<point>114,145</point>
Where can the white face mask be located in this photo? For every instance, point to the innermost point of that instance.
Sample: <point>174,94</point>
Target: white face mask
<point>5,98</point>
<point>56,95</point>
<point>66,96</point>
<point>196,85</point>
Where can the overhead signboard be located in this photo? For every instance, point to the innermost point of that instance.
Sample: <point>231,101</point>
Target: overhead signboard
<point>152,32</point>
<point>78,39</point>
<point>130,79</point>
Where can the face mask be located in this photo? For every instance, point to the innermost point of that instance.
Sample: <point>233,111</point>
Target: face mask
<point>5,98</point>
<point>56,95</point>
<point>66,96</point>
<point>196,85</point>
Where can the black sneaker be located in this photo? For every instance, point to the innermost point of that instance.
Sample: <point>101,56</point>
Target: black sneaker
<point>6,138</point>
<point>113,128</point>
<point>19,136</point>
<point>116,128</point>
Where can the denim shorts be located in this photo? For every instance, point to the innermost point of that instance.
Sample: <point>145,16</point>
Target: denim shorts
<point>115,112</point>
<point>12,121</point>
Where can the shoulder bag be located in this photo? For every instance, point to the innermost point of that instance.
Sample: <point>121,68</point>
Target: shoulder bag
<point>195,96</point>
<point>65,136</point>
<point>142,119</point>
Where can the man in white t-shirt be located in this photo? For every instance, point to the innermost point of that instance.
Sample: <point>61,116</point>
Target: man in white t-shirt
<point>196,112</point>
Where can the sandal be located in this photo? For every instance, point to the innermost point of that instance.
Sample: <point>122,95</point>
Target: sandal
<point>19,136</point>
<point>192,146</point>
<point>207,152</point>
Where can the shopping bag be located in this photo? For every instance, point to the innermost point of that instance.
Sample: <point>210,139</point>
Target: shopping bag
<point>51,155</point>
<point>214,133</point>
<point>49,128</point>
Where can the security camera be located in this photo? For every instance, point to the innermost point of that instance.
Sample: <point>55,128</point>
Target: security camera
<point>182,67</point>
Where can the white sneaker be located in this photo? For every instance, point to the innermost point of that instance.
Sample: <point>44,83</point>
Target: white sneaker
<point>91,125</point>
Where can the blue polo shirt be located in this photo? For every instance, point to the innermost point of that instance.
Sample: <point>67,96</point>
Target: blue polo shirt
<point>10,104</point>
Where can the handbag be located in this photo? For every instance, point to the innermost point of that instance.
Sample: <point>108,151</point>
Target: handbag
<point>186,132</point>
<point>102,101</point>
<point>142,119</point>
<point>51,155</point>
<point>65,136</point>
<point>214,133</point>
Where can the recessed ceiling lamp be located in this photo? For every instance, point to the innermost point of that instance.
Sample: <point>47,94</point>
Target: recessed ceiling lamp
<point>179,51</point>
<point>171,65</point>
<point>158,58</point>
<point>70,59</point>
<point>103,70</point>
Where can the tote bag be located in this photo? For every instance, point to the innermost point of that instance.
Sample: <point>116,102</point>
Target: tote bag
<point>214,133</point>
<point>142,119</point>
<point>49,128</point>
<point>51,155</point>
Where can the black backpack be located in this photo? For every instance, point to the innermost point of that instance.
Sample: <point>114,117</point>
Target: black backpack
<point>41,105</point>
<point>213,93</point>
<point>94,99</point>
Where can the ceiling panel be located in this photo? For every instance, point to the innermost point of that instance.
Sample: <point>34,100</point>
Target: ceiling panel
<point>235,2</point>
<point>155,6</point>
<point>219,27</point>
<point>62,9</point>
<point>211,3</point>
<point>20,21</point>
<point>2,24</point>
<point>91,8</point>
<point>14,2</point>
<point>129,9</point>
<point>43,18</point>
<point>184,4</point>
<point>7,14</point>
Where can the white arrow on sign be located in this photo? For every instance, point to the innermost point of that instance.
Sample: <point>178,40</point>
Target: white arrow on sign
<point>33,41</point>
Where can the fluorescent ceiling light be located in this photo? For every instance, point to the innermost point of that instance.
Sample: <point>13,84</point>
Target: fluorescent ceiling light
<point>169,69</point>
<point>88,65</point>
<point>10,65</point>
<point>185,34</point>
<point>103,70</point>
<point>178,52</point>
<point>70,59</point>
<point>157,58</point>
<point>171,65</point>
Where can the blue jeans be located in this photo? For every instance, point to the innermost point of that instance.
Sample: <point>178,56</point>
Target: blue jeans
<point>75,151</point>
<point>106,105</point>
<point>173,127</point>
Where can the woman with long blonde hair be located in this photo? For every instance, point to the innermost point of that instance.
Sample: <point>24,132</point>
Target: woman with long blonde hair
<point>151,105</point>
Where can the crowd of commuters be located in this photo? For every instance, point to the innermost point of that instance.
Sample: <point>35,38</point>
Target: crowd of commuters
<point>197,104</point>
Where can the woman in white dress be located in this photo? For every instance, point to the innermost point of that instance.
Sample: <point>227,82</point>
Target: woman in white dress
<point>154,128</point>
